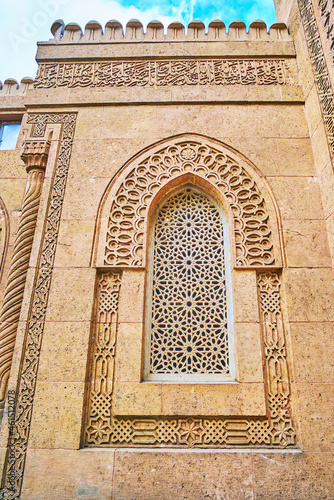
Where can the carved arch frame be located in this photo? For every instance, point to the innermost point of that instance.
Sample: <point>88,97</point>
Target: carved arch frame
<point>121,245</point>
<point>239,180</point>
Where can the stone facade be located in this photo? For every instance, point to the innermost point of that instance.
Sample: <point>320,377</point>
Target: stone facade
<point>113,126</point>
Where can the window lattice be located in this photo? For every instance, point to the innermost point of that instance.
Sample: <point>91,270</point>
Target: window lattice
<point>189,333</point>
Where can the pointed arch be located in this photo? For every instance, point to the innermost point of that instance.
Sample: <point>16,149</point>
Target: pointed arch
<point>122,238</point>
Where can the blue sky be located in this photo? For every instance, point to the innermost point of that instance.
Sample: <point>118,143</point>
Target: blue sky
<point>24,22</point>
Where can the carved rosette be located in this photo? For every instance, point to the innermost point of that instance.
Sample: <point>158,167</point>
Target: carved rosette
<point>275,430</point>
<point>35,155</point>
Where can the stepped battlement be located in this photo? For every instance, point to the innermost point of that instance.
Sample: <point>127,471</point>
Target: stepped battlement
<point>176,31</point>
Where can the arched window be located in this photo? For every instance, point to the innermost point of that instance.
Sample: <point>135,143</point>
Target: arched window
<point>189,307</point>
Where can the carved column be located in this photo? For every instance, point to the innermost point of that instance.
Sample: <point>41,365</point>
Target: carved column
<point>35,155</point>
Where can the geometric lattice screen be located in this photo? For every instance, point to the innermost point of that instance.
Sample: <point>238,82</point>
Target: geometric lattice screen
<point>188,320</point>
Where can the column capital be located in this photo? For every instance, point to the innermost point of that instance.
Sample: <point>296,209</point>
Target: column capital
<point>35,153</point>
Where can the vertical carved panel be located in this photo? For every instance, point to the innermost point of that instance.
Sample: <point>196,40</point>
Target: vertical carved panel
<point>98,426</point>
<point>282,431</point>
<point>18,438</point>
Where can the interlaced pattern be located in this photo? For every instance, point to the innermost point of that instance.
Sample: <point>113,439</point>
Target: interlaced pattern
<point>189,310</point>
<point>128,215</point>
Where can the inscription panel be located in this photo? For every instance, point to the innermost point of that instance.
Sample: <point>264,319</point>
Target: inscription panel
<point>164,73</point>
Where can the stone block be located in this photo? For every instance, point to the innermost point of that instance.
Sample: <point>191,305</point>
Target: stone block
<point>11,192</point>
<point>294,157</point>
<point>326,177</point>
<point>74,246</point>
<point>297,197</point>
<point>314,408</point>
<point>312,110</point>
<point>68,474</point>
<point>309,294</point>
<point>292,476</point>
<point>131,297</point>
<point>248,352</point>
<point>137,399</point>
<point>11,165</point>
<point>71,295</point>
<point>66,344</point>
<point>110,123</point>
<point>82,198</point>
<point>330,233</point>
<point>245,298</point>
<point>320,148</point>
<point>57,415</point>
<point>306,243</point>
<point>227,399</point>
<point>105,159</point>
<point>313,351</point>
<point>147,476</point>
<point>128,364</point>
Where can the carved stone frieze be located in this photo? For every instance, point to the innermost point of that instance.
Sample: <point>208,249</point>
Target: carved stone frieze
<point>162,73</point>
<point>276,430</point>
<point>128,215</point>
<point>327,15</point>
<point>18,440</point>
<point>320,68</point>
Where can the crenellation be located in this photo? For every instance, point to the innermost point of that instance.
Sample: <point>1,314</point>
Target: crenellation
<point>217,31</point>
<point>196,30</point>
<point>93,32</point>
<point>72,33</point>
<point>57,29</point>
<point>134,30</point>
<point>279,31</point>
<point>175,31</point>
<point>258,31</point>
<point>12,88</point>
<point>155,31</point>
<point>237,31</point>
<point>113,31</point>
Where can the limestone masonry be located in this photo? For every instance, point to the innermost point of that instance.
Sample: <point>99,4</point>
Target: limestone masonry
<point>166,262</point>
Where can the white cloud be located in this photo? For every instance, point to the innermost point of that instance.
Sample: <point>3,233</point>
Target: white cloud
<point>24,22</point>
